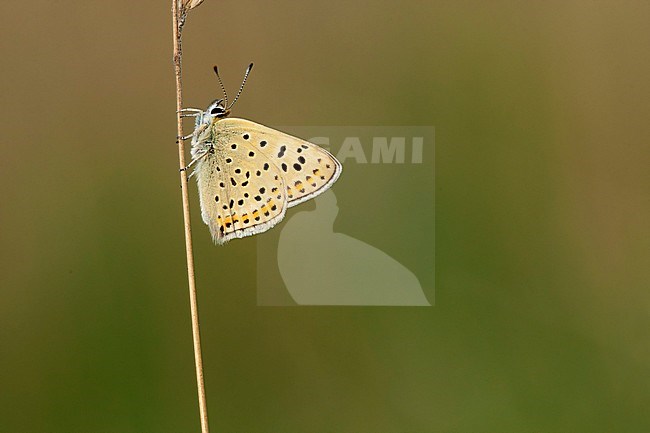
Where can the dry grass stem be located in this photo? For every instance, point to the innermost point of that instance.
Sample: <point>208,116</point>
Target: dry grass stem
<point>178,17</point>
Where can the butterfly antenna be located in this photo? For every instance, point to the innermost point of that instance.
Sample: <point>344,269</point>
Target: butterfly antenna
<point>248,71</point>
<point>223,89</point>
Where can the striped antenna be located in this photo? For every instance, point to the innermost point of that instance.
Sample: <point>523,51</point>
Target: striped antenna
<point>248,71</point>
<point>223,89</point>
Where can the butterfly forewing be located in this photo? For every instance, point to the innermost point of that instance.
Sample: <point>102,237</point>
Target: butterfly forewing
<point>306,169</point>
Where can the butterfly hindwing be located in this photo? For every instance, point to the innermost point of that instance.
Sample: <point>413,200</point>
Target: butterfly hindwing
<point>239,194</point>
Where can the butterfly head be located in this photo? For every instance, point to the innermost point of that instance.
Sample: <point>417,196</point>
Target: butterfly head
<point>217,109</point>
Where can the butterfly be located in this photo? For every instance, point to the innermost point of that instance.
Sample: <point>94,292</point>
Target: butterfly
<point>248,174</point>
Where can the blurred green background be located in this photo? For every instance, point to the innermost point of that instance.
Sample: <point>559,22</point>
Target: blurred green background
<point>542,313</point>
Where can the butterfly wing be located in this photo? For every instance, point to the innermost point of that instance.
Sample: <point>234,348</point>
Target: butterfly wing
<point>306,169</point>
<point>239,195</point>
<point>254,174</point>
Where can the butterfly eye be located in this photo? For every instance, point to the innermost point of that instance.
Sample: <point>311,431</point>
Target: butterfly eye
<point>216,110</point>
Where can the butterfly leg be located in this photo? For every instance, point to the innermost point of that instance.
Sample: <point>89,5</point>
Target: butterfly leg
<point>190,110</point>
<point>186,137</point>
<point>197,159</point>
<point>194,134</point>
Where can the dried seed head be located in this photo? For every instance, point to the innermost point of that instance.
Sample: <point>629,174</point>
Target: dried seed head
<point>190,4</point>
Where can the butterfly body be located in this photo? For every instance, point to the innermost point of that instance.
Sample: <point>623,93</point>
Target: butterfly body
<point>249,174</point>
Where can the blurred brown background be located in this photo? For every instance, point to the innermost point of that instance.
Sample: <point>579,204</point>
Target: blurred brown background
<point>542,312</point>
